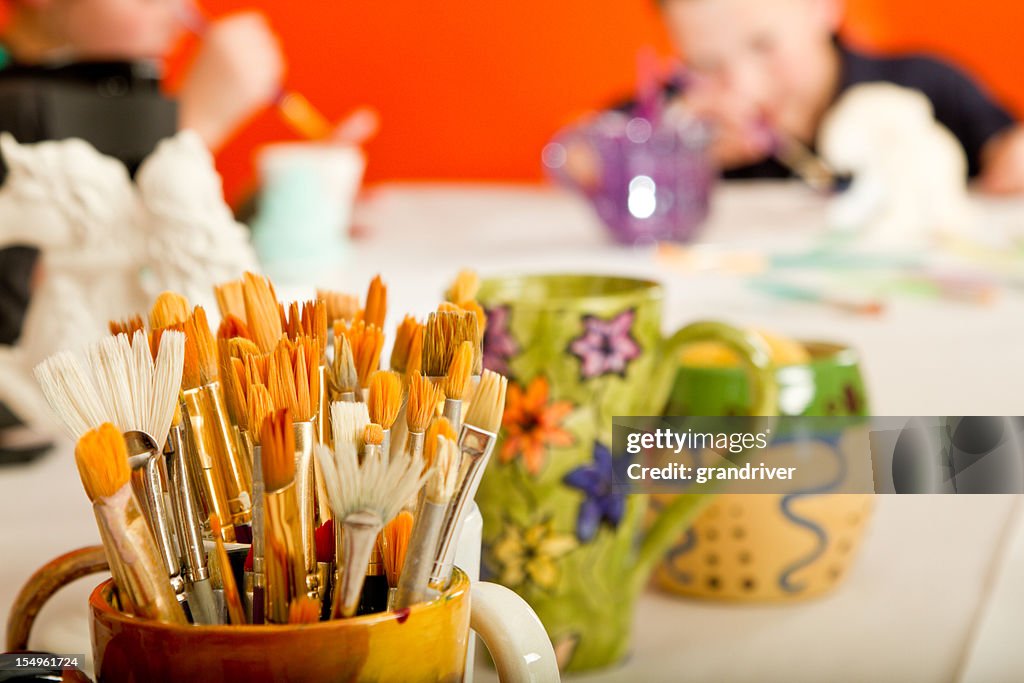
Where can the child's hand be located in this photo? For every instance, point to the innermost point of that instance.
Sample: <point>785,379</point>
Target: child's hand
<point>238,71</point>
<point>1003,171</point>
<point>739,134</point>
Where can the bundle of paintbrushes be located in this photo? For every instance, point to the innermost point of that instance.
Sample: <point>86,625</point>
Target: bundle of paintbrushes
<point>272,471</point>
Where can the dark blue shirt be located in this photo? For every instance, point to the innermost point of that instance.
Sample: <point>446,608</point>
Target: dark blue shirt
<point>962,106</point>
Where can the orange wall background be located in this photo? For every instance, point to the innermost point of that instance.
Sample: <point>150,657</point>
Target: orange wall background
<point>472,90</point>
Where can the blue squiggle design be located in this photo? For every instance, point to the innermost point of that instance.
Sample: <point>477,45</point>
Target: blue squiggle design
<point>687,546</point>
<point>785,579</point>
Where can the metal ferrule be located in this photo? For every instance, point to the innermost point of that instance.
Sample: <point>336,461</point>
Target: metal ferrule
<point>453,413</point>
<point>140,572</point>
<point>476,445</point>
<point>361,529</point>
<point>235,468</point>
<point>305,488</point>
<point>285,567</point>
<point>207,454</point>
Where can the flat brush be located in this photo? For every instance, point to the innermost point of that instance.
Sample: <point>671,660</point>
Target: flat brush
<point>260,407</point>
<point>343,378</point>
<point>236,612</point>
<point>261,311</point>
<point>384,402</point>
<point>340,306</point>
<point>348,424</point>
<point>138,571</point>
<point>456,383</point>
<point>230,300</point>
<point>393,545</point>
<point>465,287</point>
<point>376,303</point>
<point>409,331</point>
<point>169,309</point>
<point>476,442</point>
<point>228,475</point>
<point>444,332</point>
<point>128,326</point>
<point>231,326</point>
<point>376,589</point>
<point>286,569</point>
<point>430,516</point>
<point>424,398</point>
<point>364,497</point>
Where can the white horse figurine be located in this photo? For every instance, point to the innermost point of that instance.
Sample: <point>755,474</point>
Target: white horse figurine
<point>909,172</point>
<point>107,247</point>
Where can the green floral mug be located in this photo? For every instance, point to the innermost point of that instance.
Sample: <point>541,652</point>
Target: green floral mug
<point>579,350</point>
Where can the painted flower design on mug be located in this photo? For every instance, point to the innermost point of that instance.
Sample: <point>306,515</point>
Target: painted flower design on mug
<point>530,555</point>
<point>603,502</point>
<point>533,423</point>
<point>499,344</point>
<point>606,346</point>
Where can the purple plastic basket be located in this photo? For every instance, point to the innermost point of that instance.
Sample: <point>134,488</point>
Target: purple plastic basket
<point>650,182</point>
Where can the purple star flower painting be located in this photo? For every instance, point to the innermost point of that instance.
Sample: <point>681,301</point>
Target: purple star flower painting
<point>603,501</point>
<point>606,346</point>
<point>499,345</point>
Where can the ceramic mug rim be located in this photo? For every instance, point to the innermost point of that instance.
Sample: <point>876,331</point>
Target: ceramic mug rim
<point>101,608</point>
<point>823,354</point>
<point>498,290</point>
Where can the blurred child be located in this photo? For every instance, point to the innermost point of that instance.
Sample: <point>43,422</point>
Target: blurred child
<point>759,66</point>
<point>99,56</point>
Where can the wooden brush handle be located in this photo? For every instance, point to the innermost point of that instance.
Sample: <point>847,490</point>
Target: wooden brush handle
<point>41,586</point>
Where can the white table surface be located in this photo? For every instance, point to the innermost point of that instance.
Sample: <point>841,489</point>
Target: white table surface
<point>935,594</point>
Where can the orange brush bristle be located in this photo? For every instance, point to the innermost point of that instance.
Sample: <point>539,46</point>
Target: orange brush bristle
<point>339,305</point>
<point>409,330</point>
<point>422,404</point>
<point>376,303</point>
<point>230,299</point>
<point>385,399</point>
<point>366,341</point>
<point>259,406</point>
<point>102,459</point>
<point>278,442</point>
<point>261,311</point>
<point>303,610</point>
<point>393,543</point>
<point>169,309</point>
<point>457,380</point>
<point>439,427</point>
<point>232,326</point>
<point>465,287</point>
<point>128,326</point>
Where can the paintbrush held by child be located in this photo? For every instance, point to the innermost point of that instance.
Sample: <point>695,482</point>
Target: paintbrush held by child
<point>764,73</point>
<point>345,480</point>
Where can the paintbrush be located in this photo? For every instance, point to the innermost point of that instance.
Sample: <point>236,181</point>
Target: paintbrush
<point>261,311</point>
<point>364,497</point>
<point>170,308</point>
<point>236,612</point>
<point>456,383</point>
<point>230,299</point>
<point>260,406</point>
<point>430,516</point>
<point>128,326</point>
<point>375,593</point>
<point>444,333</point>
<point>464,288</point>
<point>367,341</point>
<point>294,384</point>
<point>227,475</point>
<point>340,306</point>
<point>325,557</point>
<point>286,569</point>
<point>422,403</point>
<point>231,327</point>
<point>304,610</point>
<point>385,402</point>
<point>137,394</point>
<point>140,394</point>
<point>793,292</point>
<point>376,303</point>
<point>393,545</point>
<point>476,442</point>
<point>102,460</point>
<point>348,424</point>
<point>408,334</point>
<point>343,377</point>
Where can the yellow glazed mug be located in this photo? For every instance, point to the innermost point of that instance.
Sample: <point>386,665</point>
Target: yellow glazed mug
<point>426,642</point>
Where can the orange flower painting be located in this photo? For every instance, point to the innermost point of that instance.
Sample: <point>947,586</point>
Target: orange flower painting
<point>533,423</point>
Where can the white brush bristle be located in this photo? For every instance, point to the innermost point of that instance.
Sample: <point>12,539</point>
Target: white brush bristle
<point>71,393</point>
<point>445,475</point>
<point>380,484</point>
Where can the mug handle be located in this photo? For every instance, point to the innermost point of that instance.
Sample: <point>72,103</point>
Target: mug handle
<point>764,392</point>
<point>513,634</point>
<point>41,586</point>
